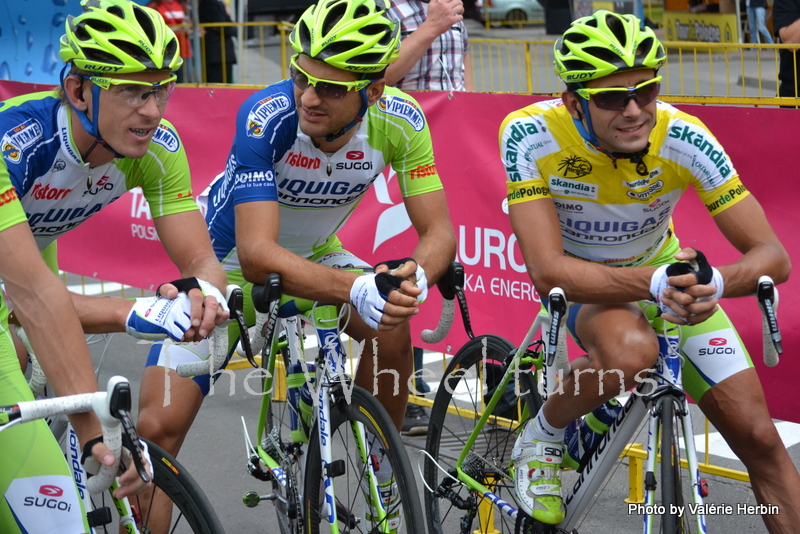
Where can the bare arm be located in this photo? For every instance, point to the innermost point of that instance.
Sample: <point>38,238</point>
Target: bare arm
<point>442,15</point>
<point>746,227</point>
<point>790,34</point>
<point>437,242</point>
<point>535,223</point>
<point>257,230</point>
<point>186,240</point>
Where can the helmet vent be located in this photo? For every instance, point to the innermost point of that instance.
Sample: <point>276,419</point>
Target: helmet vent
<point>98,56</point>
<point>334,16</point>
<point>574,37</point>
<point>603,54</point>
<point>340,47</point>
<point>146,23</point>
<point>616,27</point>
<point>362,11</point>
<point>116,11</point>
<point>647,44</point>
<point>98,25</point>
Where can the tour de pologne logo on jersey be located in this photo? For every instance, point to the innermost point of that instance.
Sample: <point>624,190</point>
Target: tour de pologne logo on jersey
<point>264,111</point>
<point>166,137</point>
<point>404,109</point>
<point>20,137</point>
<point>575,166</point>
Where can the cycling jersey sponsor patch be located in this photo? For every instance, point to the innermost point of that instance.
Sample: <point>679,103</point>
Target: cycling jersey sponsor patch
<point>708,157</point>
<point>166,137</point>
<point>264,111</point>
<point>404,108</point>
<point>723,198</point>
<point>20,137</point>
<point>422,171</point>
<point>575,166</point>
<point>526,190</point>
<point>572,188</point>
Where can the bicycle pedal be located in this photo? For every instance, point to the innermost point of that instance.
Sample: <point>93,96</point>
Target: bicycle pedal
<point>99,517</point>
<point>251,499</point>
<point>335,469</point>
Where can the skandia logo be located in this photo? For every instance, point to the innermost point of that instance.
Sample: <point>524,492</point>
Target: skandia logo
<point>45,192</point>
<point>572,188</point>
<point>166,137</point>
<point>263,112</point>
<point>299,160</point>
<point>20,137</point>
<point>404,109</point>
<point>709,147</point>
<point>354,154</point>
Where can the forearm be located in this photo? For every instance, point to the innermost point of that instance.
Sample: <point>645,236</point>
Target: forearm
<point>49,320</point>
<point>435,252</point>
<point>741,278</point>
<point>790,34</point>
<point>299,277</point>
<point>206,267</point>
<point>101,315</point>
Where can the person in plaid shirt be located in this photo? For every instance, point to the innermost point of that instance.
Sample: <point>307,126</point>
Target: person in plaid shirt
<point>434,51</point>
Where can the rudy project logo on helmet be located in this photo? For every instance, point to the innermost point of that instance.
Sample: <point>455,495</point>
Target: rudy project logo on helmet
<point>19,138</point>
<point>404,109</point>
<point>263,112</point>
<point>166,137</point>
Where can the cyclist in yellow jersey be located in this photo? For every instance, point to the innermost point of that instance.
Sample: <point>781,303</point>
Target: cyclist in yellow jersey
<point>593,180</point>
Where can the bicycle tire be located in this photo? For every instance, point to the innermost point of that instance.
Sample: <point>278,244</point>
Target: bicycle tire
<point>447,434</point>
<point>279,444</point>
<point>671,490</point>
<point>192,512</point>
<point>350,502</point>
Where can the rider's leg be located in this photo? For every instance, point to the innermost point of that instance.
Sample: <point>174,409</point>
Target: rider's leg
<point>385,371</point>
<point>168,405</point>
<point>620,343</point>
<point>737,408</point>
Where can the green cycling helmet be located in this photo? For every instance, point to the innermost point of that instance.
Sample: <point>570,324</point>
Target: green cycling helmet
<point>605,43</point>
<point>119,37</point>
<point>352,35</point>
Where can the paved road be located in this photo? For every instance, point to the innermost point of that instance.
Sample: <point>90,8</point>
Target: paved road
<point>214,452</point>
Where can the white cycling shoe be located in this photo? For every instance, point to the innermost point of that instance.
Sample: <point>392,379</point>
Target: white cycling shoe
<point>537,484</point>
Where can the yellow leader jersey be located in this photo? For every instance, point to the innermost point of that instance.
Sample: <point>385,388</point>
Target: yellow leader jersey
<point>614,211</point>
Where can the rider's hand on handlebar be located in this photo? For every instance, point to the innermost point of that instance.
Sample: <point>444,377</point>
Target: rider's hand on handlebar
<point>129,482</point>
<point>409,269</point>
<point>384,301</point>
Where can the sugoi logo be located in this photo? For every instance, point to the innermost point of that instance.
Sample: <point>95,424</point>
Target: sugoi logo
<point>51,491</point>
<point>717,341</point>
<point>354,154</point>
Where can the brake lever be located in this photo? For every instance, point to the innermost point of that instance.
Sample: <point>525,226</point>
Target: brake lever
<point>119,407</point>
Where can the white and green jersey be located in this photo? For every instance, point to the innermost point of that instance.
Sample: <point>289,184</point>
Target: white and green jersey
<point>58,191</point>
<point>271,159</point>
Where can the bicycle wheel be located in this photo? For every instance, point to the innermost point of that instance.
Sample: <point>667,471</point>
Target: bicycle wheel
<point>279,445</point>
<point>348,480</point>
<point>671,487</point>
<point>191,511</point>
<point>459,402</point>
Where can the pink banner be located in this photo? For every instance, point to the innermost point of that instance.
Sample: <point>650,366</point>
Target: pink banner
<point>120,243</point>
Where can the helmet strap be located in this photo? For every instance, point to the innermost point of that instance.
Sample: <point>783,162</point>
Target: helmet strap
<point>359,117</point>
<point>91,126</point>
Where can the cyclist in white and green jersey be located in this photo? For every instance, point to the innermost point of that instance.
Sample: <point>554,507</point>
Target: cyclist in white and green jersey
<point>593,181</point>
<point>39,493</point>
<point>306,152</point>
<point>69,153</point>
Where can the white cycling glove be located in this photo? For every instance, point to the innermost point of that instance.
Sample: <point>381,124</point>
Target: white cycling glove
<point>369,295</point>
<point>705,273</point>
<point>159,317</point>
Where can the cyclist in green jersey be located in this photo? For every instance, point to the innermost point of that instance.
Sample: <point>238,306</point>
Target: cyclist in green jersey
<point>32,459</point>
<point>593,180</point>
